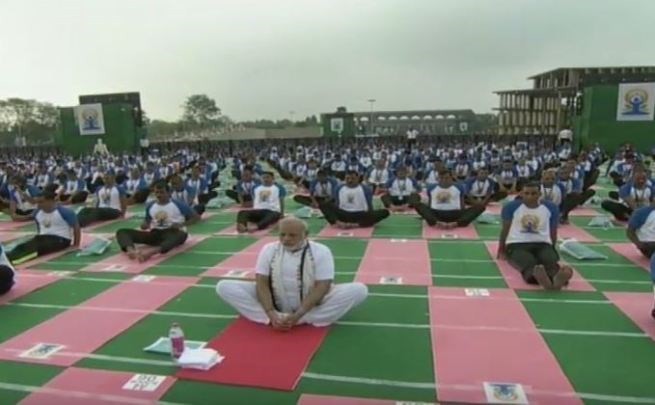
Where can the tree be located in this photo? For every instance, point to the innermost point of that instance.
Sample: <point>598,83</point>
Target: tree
<point>201,111</point>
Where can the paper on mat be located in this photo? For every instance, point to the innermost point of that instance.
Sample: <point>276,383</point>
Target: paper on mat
<point>505,393</point>
<point>163,345</point>
<point>200,359</point>
<point>144,382</point>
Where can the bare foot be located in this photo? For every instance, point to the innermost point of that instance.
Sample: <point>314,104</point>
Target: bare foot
<point>542,278</point>
<point>442,225</point>
<point>451,225</point>
<point>132,254</point>
<point>241,228</point>
<point>146,254</point>
<point>340,225</point>
<point>252,228</point>
<point>562,277</point>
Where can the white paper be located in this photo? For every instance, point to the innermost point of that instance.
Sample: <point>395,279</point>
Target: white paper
<point>391,280</point>
<point>476,292</point>
<point>41,351</point>
<point>143,279</point>
<point>505,393</point>
<point>201,359</point>
<point>144,382</point>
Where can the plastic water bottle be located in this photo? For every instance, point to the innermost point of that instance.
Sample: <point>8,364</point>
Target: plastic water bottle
<point>176,336</point>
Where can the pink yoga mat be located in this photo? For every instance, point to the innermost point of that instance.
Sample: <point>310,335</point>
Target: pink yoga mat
<point>83,329</point>
<point>491,339</point>
<point>630,252</point>
<point>8,226</point>
<point>333,232</point>
<point>87,239</point>
<point>7,236</point>
<point>493,209</point>
<point>91,227</point>
<point>309,399</point>
<point>468,232</point>
<point>232,231</point>
<point>637,307</point>
<point>584,212</point>
<point>515,281</point>
<point>245,260</point>
<point>395,262</point>
<point>258,356</point>
<point>28,281</point>
<point>571,231</point>
<point>78,386</point>
<point>122,264</point>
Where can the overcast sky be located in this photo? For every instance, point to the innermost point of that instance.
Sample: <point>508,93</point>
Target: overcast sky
<point>265,58</point>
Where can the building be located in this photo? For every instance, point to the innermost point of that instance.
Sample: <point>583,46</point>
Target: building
<point>393,123</point>
<point>556,97</point>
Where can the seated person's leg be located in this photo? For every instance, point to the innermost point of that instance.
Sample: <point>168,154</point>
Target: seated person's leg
<point>127,238</point>
<point>232,195</point>
<point>26,250</point>
<point>6,279</point>
<point>199,209</point>
<point>46,244</point>
<point>427,213</point>
<point>79,197</point>
<point>329,211</point>
<point>469,215</point>
<point>303,200</point>
<point>86,216</point>
<point>548,257</point>
<point>268,218</point>
<point>169,239</point>
<point>522,258</point>
<point>620,211</point>
<point>341,299</point>
<point>242,296</point>
<point>107,214</point>
<point>370,218</point>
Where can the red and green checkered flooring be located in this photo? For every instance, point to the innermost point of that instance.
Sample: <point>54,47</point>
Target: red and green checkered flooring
<point>380,350</point>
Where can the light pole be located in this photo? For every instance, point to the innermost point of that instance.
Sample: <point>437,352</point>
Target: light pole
<point>370,122</point>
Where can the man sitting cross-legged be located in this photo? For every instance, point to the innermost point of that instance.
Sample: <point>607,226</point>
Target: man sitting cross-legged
<point>400,191</point>
<point>481,189</point>
<point>268,206</point>
<point>353,207</point>
<point>641,232</point>
<point>294,283</point>
<point>445,207</point>
<point>163,228</point>
<point>528,239</point>
<point>242,192</point>
<point>322,189</point>
<point>57,228</point>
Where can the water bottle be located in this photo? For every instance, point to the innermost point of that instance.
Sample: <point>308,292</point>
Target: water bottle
<point>176,336</point>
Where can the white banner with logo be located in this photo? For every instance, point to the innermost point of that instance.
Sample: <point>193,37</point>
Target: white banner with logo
<point>636,102</point>
<point>90,119</point>
<point>336,125</point>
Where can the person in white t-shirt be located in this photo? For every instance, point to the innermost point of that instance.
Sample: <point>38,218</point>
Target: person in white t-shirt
<point>163,229</point>
<point>100,148</point>
<point>641,232</point>
<point>267,206</point>
<point>528,238</point>
<point>294,284</point>
<point>110,203</point>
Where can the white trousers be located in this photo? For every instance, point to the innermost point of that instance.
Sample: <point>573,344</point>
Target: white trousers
<point>242,295</point>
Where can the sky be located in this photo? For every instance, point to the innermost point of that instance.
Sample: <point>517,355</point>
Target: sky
<point>281,59</point>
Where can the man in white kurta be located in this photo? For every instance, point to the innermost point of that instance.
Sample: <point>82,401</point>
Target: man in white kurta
<point>294,284</point>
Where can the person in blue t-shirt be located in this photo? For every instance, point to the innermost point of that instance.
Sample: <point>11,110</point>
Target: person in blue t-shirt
<point>641,232</point>
<point>322,189</point>
<point>163,229</point>
<point>528,238</point>
<point>636,193</point>
<point>242,192</point>
<point>400,191</point>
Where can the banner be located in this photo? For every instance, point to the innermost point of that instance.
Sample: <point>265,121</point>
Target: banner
<point>90,119</point>
<point>636,102</point>
<point>336,125</point>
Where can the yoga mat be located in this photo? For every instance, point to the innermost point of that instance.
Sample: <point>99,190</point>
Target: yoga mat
<point>71,335</point>
<point>7,236</point>
<point>637,307</point>
<point>493,209</point>
<point>122,264</point>
<point>468,232</point>
<point>309,399</point>
<point>87,239</point>
<point>28,281</point>
<point>258,356</point>
<point>93,226</point>
<point>232,231</point>
<point>571,231</point>
<point>400,261</point>
<point>630,252</point>
<point>8,226</point>
<point>491,339</point>
<point>331,231</point>
<point>243,261</point>
<point>584,212</point>
<point>515,281</point>
<point>78,386</point>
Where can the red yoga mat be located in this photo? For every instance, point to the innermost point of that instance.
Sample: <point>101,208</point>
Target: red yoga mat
<point>77,386</point>
<point>28,281</point>
<point>334,232</point>
<point>467,232</point>
<point>571,231</point>
<point>309,399</point>
<point>256,355</point>
<point>630,252</point>
<point>395,261</point>
<point>637,307</point>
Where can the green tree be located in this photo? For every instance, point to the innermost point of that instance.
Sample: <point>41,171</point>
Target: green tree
<point>200,111</point>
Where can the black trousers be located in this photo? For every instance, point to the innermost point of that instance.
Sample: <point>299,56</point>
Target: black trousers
<point>204,198</point>
<point>263,218</point>
<point>6,279</point>
<point>24,212</point>
<point>388,200</point>
<point>364,219</point>
<point>648,249</point>
<point>462,217</point>
<point>306,200</point>
<point>39,245</point>
<point>88,215</point>
<point>495,197</point>
<point>590,179</point>
<point>140,196</point>
<point>524,256</point>
<point>166,239</point>
<point>620,211</point>
<point>75,198</point>
<point>572,201</point>
<point>235,196</point>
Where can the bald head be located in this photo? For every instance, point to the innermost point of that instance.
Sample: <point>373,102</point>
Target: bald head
<point>293,232</point>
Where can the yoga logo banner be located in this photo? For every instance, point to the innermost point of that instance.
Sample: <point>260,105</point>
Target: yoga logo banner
<point>90,119</point>
<point>636,102</point>
<point>336,125</point>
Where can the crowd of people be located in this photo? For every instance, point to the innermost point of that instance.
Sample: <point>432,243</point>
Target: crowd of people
<point>448,184</point>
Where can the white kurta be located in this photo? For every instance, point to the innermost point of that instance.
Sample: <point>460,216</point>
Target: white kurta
<point>242,295</point>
